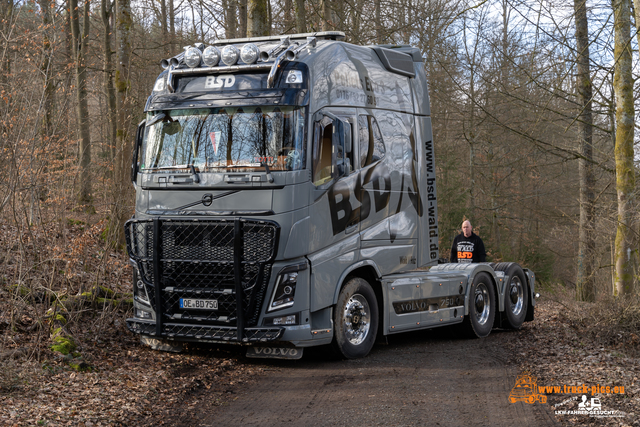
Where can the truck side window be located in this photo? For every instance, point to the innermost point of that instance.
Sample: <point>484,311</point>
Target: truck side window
<point>370,140</point>
<point>322,153</point>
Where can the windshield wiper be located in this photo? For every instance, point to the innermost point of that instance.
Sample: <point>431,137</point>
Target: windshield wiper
<point>196,177</point>
<point>266,168</point>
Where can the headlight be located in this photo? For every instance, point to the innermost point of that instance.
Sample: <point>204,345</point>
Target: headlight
<point>284,291</point>
<point>230,55</point>
<point>139,290</point>
<point>192,57</point>
<point>211,56</point>
<point>249,53</point>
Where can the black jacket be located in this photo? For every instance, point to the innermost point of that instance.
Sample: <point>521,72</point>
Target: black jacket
<point>467,249</point>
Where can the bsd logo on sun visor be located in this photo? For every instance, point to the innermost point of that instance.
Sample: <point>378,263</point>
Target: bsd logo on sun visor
<point>217,82</point>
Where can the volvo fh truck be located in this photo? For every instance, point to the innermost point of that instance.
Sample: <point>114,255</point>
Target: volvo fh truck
<point>286,198</point>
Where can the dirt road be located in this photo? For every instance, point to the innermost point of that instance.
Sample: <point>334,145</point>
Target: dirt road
<point>423,378</point>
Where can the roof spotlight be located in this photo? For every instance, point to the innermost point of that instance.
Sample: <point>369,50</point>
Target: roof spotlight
<point>249,53</point>
<point>211,56</point>
<point>230,55</point>
<point>192,57</point>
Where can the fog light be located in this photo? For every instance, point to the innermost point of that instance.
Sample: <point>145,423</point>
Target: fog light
<point>143,314</point>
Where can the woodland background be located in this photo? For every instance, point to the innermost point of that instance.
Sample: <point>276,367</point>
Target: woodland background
<point>533,111</point>
<point>534,119</point>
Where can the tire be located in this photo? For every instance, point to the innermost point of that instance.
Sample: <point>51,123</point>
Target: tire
<point>355,319</point>
<point>482,307</point>
<point>516,295</point>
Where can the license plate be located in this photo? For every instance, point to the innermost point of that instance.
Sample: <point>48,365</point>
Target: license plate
<point>274,352</point>
<point>198,304</point>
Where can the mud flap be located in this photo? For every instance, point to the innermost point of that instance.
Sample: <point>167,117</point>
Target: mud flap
<point>290,353</point>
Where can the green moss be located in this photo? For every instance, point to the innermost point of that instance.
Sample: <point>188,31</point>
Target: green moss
<point>60,318</point>
<point>22,290</point>
<point>80,366</point>
<point>106,292</point>
<point>64,345</point>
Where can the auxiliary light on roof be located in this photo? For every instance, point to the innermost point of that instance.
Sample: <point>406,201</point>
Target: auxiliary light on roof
<point>249,53</point>
<point>192,57</point>
<point>211,56</point>
<point>230,55</point>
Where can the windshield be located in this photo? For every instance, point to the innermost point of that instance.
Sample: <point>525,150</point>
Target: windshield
<point>225,138</point>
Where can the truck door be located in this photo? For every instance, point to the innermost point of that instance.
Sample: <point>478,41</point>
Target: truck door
<point>334,212</point>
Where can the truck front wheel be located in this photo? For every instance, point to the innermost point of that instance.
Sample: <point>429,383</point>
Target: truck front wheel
<point>482,307</point>
<point>355,319</point>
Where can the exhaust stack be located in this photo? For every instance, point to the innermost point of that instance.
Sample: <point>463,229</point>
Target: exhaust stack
<point>291,54</point>
<point>284,43</point>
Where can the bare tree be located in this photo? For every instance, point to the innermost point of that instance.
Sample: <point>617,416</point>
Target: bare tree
<point>257,18</point>
<point>106,12</point>
<point>124,23</point>
<point>585,282</point>
<point>625,246</point>
<point>80,41</point>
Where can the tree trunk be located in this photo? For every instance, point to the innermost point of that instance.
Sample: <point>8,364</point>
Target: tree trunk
<point>106,11</point>
<point>301,22</point>
<point>625,249</point>
<point>163,27</point>
<point>327,21</point>
<point>585,283</point>
<point>378,21</point>
<point>288,16</point>
<point>172,28</point>
<point>242,14</point>
<point>257,18</point>
<point>230,23</point>
<point>124,23</point>
<point>80,49</point>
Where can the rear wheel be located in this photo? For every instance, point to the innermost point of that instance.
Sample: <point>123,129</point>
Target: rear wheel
<point>516,295</point>
<point>482,307</point>
<point>355,319</point>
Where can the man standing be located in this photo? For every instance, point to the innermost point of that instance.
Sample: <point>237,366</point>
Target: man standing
<point>467,247</point>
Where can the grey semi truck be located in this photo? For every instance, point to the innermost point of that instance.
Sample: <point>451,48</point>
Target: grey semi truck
<point>286,198</point>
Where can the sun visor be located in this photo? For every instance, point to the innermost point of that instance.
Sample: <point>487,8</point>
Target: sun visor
<point>396,62</point>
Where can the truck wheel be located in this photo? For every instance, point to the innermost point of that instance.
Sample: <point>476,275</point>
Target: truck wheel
<point>482,307</point>
<point>516,296</point>
<point>355,319</point>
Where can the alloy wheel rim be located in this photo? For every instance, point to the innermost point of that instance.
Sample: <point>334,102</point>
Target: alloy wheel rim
<point>357,319</point>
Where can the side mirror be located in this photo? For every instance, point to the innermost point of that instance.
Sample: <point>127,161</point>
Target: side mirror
<point>136,149</point>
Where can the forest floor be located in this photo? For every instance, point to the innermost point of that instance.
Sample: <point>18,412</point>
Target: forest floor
<point>111,379</point>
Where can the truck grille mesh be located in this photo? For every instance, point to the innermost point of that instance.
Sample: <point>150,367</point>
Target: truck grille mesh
<point>196,260</point>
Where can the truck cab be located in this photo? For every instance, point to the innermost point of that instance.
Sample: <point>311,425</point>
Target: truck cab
<point>285,189</point>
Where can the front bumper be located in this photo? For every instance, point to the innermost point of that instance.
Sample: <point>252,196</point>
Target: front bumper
<point>204,333</point>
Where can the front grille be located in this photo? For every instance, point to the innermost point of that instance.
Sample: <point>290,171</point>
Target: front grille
<point>204,259</point>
